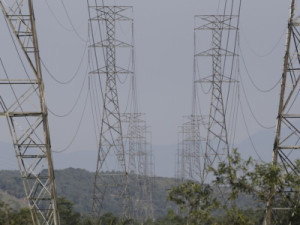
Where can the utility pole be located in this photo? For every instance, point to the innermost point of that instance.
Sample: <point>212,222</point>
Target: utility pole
<point>286,144</point>
<point>23,104</point>
<point>111,177</point>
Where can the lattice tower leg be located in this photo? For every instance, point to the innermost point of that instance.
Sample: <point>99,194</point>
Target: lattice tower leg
<point>28,118</point>
<point>286,144</point>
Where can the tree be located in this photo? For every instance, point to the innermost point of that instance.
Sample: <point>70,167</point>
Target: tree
<point>23,216</point>
<point>170,219</point>
<point>66,212</point>
<point>195,200</point>
<point>257,179</point>
<point>5,213</point>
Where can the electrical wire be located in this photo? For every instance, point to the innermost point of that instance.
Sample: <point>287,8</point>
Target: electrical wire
<point>250,108</point>
<point>74,105</point>
<point>250,77</point>
<point>236,43</point>
<point>16,48</point>
<point>71,23</point>
<point>19,104</point>
<point>73,76</point>
<point>23,65</point>
<point>67,147</point>
<point>96,57</point>
<point>248,133</point>
<point>268,52</point>
<point>55,17</point>
<point>77,129</point>
<point>94,118</point>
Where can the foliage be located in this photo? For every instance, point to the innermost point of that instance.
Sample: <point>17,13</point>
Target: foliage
<point>170,219</point>
<point>257,179</point>
<point>195,200</point>
<point>235,216</point>
<point>242,181</point>
<point>21,217</point>
<point>76,185</point>
<point>66,212</point>
<point>240,177</point>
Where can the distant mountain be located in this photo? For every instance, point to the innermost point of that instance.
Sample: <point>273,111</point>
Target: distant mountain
<point>13,202</point>
<point>164,159</point>
<point>164,155</point>
<point>261,146</point>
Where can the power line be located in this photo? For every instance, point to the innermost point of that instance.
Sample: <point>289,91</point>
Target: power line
<point>71,23</point>
<point>251,111</point>
<point>248,133</point>
<point>74,105</point>
<point>252,81</point>
<point>73,76</point>
<point>77,129</point>
<point>55,17</point>
<point>268,52</point>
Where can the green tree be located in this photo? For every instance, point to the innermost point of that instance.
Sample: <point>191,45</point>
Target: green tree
<point>257,179</point>
<point>66,212</point>
<point>170,219</point>
<point>195,200</point>
<point>5,213</point>
<point>23,216</point>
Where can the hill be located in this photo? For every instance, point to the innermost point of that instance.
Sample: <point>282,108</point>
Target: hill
<point>77,186</point>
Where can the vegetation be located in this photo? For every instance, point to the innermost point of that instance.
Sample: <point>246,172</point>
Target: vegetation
<point>237,196</point>
<point>200,206</point>
<point>76,185</point>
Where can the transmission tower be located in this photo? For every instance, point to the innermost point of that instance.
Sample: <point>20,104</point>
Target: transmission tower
<point>137,139</point>
<point>190,151</point>
<point>23,104</point>
<point>286,144</point>
<point>222,47</point>
<point>111,177</point>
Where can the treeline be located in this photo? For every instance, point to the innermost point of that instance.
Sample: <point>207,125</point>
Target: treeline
<point>238,195</point>
<point>68,216</point>
<point>76,185</point>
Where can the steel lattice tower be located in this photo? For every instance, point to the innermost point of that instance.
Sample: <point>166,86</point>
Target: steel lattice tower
<point>286,144</point>
<point>137,139</point>
<point>217,140</point>
<point>111,176</point>
<point>190,154</point>
<point>27,116</point>
<point>196,154</point>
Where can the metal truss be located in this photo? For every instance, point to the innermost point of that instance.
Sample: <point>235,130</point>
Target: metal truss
<point>286,144</point>
<point>217,141</point>
<point>111,177</point>
<point>137,139</point>
<point>23,104</point>
<point>190,157</point>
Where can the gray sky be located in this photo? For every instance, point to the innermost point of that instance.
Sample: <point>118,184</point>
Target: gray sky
<point>164,63</point>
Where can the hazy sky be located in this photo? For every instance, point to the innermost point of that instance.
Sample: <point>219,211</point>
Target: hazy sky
<point>164,63</point>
